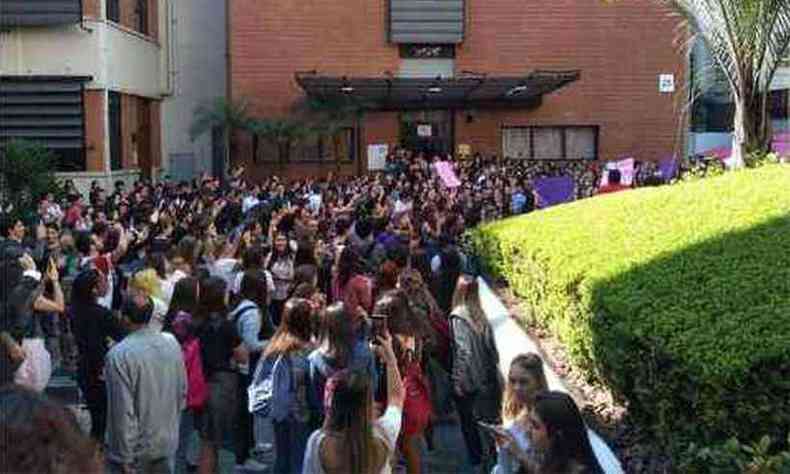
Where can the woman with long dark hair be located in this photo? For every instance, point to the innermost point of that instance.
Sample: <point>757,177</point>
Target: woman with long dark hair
<point>286,359</point>
<point>339,349</point>
<point>186,294</point>
<point>558,431</point>
<point>94,327</point>
<point>410,336</point>
<point>351,441</point>
<point>220,347</point>
<point>352,288</point>
<point>280,262</point>
<point>184,308</point>
<point>251,317</point>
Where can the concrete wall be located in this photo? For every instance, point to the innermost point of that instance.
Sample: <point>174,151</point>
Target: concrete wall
<point>116,57</point>
<point>198,74</point>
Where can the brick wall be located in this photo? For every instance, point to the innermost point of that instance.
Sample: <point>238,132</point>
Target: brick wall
<point>95,118</point>
<point>130,14</point>
<point>92,9</point>
<point>620,49</point>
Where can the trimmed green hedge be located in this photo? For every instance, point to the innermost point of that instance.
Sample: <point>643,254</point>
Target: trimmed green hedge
<point>677,298</point>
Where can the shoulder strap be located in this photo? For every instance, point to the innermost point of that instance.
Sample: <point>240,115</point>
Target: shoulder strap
<point>242,311</point>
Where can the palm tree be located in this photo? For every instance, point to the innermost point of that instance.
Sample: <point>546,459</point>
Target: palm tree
<point>282,132</point>
<point>220,113</point>
<point>747,40</point>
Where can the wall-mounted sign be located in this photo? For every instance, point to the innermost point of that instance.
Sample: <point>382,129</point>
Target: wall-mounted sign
<point>666,83</point>
<point>377,157</point>
<point>424,130</point>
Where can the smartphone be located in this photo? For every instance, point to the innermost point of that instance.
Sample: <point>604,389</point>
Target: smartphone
<point>378,327</point>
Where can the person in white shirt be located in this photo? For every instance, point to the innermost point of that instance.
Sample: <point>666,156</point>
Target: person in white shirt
<point>350,421</point>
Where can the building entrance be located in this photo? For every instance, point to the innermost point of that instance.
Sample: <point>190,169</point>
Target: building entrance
<point>428,131</point>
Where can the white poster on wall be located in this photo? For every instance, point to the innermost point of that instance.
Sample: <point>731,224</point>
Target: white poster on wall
<point>666,83</point>
<point>424,130</point>
<point>377,157</point>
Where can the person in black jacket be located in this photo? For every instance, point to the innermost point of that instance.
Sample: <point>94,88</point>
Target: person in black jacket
<point>475,378</point>
<point>95,330</point>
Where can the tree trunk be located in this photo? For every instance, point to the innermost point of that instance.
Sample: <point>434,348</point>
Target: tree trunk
<point>226,164</point>
<point>336,151</point>
<point>751,126</point>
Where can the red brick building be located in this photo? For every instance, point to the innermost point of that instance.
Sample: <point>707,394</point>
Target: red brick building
<point>465,71</point>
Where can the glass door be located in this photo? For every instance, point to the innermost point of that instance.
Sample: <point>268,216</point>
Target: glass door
<point>427,131</point>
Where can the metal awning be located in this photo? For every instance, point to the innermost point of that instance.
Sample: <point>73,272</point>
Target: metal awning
<point>40,12</point>
<point>43,109</point>
<point>478,91</point>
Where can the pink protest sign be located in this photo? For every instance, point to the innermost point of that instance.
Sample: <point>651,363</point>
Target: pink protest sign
<point>626,168</point>
<point>445,171</point>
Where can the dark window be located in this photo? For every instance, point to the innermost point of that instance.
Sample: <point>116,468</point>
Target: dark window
<point>550,143</point>
<point>427,51</point>
<point>114,10</point>
<point>713,115</point>
<point>142,16</point>
<point>116,135</point>
<point>312,149</point>
<point>70,160</point>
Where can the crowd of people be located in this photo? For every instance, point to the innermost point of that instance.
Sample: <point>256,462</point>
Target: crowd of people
<point>317,326</point>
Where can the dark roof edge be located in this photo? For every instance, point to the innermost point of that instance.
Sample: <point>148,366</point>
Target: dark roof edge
<point>46,78</point>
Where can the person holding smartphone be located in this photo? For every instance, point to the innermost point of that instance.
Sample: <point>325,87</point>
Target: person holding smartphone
<point>27,303</point>
<point>351,440</point>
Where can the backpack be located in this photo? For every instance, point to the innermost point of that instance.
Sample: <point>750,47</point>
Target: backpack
<point>267,327</point>
<point>197,388</point>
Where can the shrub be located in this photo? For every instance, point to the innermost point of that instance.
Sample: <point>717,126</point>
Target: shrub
<point>733,457</point>
<point>26,173</point>
<point>677,298</point>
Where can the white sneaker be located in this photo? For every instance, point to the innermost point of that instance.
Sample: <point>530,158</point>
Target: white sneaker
<point>255,466</point>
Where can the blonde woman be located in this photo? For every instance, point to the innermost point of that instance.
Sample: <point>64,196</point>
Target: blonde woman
<point>147,283</point>
<point>474,376</point>
<point>525,381</point>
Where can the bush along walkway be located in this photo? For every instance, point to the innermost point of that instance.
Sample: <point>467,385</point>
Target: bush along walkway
<point>675,299</point>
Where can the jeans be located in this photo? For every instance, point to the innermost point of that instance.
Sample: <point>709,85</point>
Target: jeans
<point>290,442</point>
<point>276,311</point>
<point>96,401</point>
<point>466,414</point>
<point>188,441</point>
<point>264,450</point>
<point>243,440</point>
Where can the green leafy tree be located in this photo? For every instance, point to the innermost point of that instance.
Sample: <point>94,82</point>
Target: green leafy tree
<point>230,116</point>
<point>748,41</point>
<point>27,171</point>
<point>283,133</point>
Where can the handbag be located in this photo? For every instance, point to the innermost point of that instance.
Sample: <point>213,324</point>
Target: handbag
<point>417,406</point>
<point>261,390</point>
